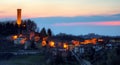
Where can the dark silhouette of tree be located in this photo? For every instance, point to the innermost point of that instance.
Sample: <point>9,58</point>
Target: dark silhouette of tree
<point>11,27</point>
<point>29,25</point>
<point>43,33</point>
<point>49,32</point>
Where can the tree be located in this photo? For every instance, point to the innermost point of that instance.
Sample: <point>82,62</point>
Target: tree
<point>11,27</point>
<point>49,32</point>
<point>43,32</point>
<point>30,25</point>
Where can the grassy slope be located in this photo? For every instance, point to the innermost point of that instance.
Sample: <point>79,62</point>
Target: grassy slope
<point>25,60</point>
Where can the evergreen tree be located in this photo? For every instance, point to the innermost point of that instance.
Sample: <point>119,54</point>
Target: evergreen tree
<point>43,32</point>
<point>49,32</point>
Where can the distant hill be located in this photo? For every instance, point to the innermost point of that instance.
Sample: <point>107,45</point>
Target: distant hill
<point>7,19</point>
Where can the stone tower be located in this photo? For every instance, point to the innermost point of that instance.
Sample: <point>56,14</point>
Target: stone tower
<point>19,17</point>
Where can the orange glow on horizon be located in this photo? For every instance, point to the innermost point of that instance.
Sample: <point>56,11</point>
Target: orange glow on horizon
<point>40,8</point>
<point>102,23</point>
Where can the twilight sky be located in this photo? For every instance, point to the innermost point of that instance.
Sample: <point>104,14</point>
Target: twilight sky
<point>68,16</point>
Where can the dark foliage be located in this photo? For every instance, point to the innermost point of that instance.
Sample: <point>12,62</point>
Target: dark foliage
<point>43,32</point>
<point>49,32</point>
<point>11,27</point>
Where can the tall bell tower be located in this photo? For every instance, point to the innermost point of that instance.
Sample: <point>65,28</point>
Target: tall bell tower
<point>19,17</point>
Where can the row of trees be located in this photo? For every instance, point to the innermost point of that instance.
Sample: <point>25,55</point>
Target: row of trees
<point>11,27</point>
<point>44,32</point>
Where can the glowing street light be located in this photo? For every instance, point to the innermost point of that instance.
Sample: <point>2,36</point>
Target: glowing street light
<point>52,44</point>
<point>65,46</point>
<point>15,37</point>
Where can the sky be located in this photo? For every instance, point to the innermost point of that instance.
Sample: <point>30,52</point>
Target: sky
<point>68,16</point>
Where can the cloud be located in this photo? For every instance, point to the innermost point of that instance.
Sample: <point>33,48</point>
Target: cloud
<point>2,12</point>
<point>97,18</point>
<point>110,23</point>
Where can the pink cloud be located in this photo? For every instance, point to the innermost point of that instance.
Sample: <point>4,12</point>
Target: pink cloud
<point>108,23</point>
